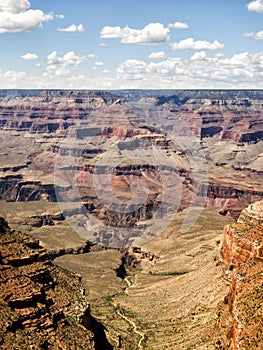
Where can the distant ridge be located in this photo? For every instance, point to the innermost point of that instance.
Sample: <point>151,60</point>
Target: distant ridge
<point>134,94</point>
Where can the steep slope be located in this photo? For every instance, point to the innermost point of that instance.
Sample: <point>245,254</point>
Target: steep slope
<point>242,251</point>
<point>171,291</point>
<point>41,306</point>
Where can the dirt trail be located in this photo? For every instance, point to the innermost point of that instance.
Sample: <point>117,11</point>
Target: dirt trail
<point>131,322</point>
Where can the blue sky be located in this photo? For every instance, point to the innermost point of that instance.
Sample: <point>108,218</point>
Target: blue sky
<point>115,44</point>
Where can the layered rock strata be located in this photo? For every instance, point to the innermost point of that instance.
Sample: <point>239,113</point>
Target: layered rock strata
<point>243,252</point>
<point>42,307</point>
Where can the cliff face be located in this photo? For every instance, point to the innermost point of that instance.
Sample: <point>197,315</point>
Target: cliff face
<point>82,132</point>
<point>41,306</point>
<point>244,239</point>
<point>243,252</point>
<point>51,111</point>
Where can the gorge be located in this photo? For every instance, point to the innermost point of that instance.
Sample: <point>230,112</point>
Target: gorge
<point>131,190</point>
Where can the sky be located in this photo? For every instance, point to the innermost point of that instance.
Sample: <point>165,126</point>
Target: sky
<point>131,44</point>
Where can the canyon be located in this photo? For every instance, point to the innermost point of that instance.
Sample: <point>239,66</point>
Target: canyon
<point>132,189</point>
<point>242,253</point>
<point>41,306</point>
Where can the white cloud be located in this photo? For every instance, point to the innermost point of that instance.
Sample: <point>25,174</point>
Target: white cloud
<point>12,79</point>
<point>53,58</point>
<point>257,36</point>
<point>152,33</point>
<point>242,70</point>
<point>60,16</point>
<point>69,59</point>
<point>14,6</point>
<point>131,69</point>
<point>191,44</point>
<point>249,34</point>
<point>163,68</point>
<point>178,25</point>
<point>62,65</point>
<point>103,45</point>
<point>256,6</point>
<point>91,55</point>
<point>157,55</point>
<point>98,63</point>
<point>16,16</point>
<point>29,56</point>
<point>199,56</point>
<point>72,28</point>
<point>241,59</point>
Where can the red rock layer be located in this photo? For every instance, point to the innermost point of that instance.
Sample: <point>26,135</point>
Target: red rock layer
<point>243,251</point>
<point>244,239</point>
<point>41,307</point>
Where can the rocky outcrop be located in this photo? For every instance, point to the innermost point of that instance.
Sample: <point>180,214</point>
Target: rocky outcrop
<point>41,306</point>
<point>82,249</point>
<point>233,197</point>
<point>244,239</point>
<point>242,251</point>
<point>50,111</point>
<point>135,257</point>
<point>76,131</point>
<point>14,188</point>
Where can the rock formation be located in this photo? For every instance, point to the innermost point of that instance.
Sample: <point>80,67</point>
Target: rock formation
<point>42,306</point>
<point>242,251</point>
<point>243,240</point>
<point>135,136</point>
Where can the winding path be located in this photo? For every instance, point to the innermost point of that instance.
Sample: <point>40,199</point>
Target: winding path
<point>131,322</point>
<point>133,325</point>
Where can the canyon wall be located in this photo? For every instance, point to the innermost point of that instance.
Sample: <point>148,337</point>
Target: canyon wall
<point>242,251</point>
<point>135,136</point>
<point>42,306</point>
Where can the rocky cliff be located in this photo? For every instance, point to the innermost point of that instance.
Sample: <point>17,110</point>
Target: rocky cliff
<point>82,132</point>
<point>50,111</point>
<point>244,239</point>
<point>242,251</point>
<point>42,306</point>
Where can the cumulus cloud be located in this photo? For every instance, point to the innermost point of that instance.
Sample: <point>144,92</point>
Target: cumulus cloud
<point>241,59</point>
<point>91,55</point>
<point>61,65</point>
<point>157,55</point>
<point>197,56</point>
<point>14,6</point>
<point>256,6</point>
<point>239,71</point>
<point>29,56</point>
<point>243,70</point>
<point>257,35</point>
<point>99,63</point>
<point>178,25</point>
<point>72,28</point>
<point>69,59</point>
<point>191,44</point>
<point>131,69</point>
<point>152,33</point>
<point>16,16</point>
<point>12,79</point>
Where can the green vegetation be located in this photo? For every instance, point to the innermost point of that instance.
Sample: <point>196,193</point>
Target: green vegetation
<point>172,273</point>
